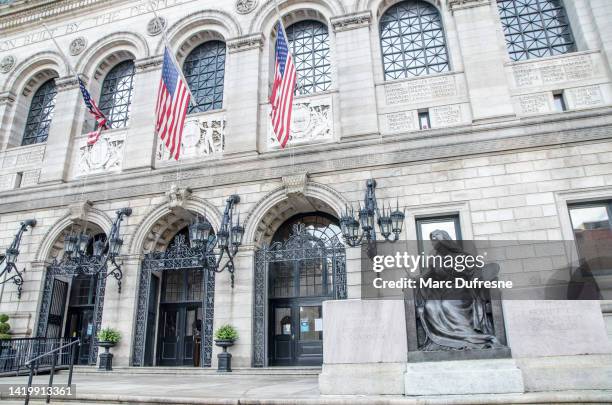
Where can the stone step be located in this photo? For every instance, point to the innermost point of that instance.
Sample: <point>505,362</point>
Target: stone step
<point>284,371</point>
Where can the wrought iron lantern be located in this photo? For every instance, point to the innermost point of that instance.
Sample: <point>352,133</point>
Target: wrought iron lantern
<point>390,222</point>
<point>10,258</point>
<point>221,246</point>
<point>77,259</point>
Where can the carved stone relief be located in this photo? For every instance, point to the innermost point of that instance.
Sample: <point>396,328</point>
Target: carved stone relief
<point>7,63</point>
<point>245,6</point>
<point>104,156</point>
<point>313,120</point>
<point>78,45</point>
<point>203,136</point>
<point>156,25</point>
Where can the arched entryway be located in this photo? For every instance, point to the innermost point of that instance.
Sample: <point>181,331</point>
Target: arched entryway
<point>303,266</point>
<point>175,307</point>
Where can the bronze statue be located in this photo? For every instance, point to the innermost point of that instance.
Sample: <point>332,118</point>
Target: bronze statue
<point>455,318</point>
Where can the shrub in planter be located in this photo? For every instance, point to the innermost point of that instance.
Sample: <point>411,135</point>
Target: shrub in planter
<point>226,332</point>
<point>4,327</point>
<point>107,338</point>
<point>109,335</point>
<point>225,337</point>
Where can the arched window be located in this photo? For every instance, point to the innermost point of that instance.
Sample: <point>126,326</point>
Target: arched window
<point>116,95</point>
<point>309,45</point>
<point>412,40</point>
<point>204,70</point>
<point>41,114</point>
<point>535,28</point>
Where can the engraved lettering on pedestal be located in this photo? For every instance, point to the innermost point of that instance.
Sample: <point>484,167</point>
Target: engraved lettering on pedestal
<point>585,97</point>
<point>312,121</point>
<point>415,91</point>
<point>401,121</point>
<point>202,137</point>
<point>445,116</point>
<point>534,103</point>
<point>104,156</point>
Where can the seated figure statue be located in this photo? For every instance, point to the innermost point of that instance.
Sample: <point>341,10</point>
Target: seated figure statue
<point>455,318</point>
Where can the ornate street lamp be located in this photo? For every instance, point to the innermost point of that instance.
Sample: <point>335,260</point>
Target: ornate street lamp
<point>223,244</point>
<point>390,222</point>
<point>10,258</point>
<point>77,260</point>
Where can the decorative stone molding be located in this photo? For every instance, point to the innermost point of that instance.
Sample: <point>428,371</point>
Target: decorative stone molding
<point>245,43</point>
<point>66,83</point>
<point>7,63</point>
<point>295,184</point>
<point>78,45</point>
<point>147,64</point>
<point>7,97</point>
<point>203,137</point>
<point>246,6</point>
<point>352,21</point>
<point>313,121</point>
<point>177,196</point>
<point>454,5</point>
<point>78,212</point>
<point>156,25</point>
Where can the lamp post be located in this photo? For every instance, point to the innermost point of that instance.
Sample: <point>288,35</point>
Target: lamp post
<point>10,258</point>
<point>390,222</point>
<point>77,260</point>
<point>223,244</point>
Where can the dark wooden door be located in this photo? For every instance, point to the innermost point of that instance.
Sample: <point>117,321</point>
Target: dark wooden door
<point>170,335</point>
<point>55,318</point>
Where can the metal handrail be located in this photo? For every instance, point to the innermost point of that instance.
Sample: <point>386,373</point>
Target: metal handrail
<point>52,351</point>
<point>32,364</point>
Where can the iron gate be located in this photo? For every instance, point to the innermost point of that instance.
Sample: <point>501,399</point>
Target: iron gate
<point>305,243</point>
<point>178,257</point>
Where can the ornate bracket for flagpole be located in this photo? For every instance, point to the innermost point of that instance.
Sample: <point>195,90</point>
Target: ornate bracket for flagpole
<point>10,258</point>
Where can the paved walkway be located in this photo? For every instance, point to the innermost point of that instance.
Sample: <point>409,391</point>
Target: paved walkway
<point>213,389</point>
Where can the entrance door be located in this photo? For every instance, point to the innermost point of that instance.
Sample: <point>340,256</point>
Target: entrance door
<point>80,320</point>
<point>297,333</point>
<point>55,318</point>
<point>180,319</point>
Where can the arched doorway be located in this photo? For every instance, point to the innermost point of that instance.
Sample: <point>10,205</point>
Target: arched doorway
<point>302,267</point>
<point>73,298</point>
<point>175,308</point>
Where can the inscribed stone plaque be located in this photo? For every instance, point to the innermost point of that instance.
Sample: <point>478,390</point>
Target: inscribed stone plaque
<point>555,328</point>
<point>553,71</point>
<point>419,90</point>
<point>401,121</point>
<point>585,97</point>
<point>444,116</point>
<point>30,178</point>
<point>534,103</point>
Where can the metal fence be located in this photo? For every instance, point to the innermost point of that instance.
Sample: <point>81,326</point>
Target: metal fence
<point>14,354</point>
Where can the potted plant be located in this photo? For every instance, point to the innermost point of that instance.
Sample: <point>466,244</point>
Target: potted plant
<point>7,353</point>
<point>225,337</point>
<point>107,338</point>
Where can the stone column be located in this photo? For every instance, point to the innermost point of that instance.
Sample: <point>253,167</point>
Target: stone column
<point>241,93</point>
<point>119,309</point>
<point>7,101</point>
<point>353,59</point>
<point>602,15</point>
<point>140,140</point>
<point>483,58</point>
<point>66,124</point>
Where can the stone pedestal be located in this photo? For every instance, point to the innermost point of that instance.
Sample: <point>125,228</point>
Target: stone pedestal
<point>498,376</point>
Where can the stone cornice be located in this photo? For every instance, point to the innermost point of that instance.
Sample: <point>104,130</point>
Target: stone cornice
<point>68,83</point>
<point>7,97</point>
<point>150,63</point>
<point>352,21</point>
<point>325,158</point>
<point>245,43</point>
<point>454,5</point>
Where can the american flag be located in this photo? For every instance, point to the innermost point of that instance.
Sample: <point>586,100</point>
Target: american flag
<point>283,88</point>
<point>93,109</point>
<point>172,103</point>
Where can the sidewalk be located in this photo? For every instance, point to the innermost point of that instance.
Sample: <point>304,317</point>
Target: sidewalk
<point>213,389</point>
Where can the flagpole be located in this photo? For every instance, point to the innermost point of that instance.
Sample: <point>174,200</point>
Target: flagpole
<point>61,52</point>
<point>178,66</point>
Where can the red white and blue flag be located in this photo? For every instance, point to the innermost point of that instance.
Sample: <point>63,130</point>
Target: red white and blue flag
<point>93,109</point>
<point>281,99</point>
<point>172,105</point>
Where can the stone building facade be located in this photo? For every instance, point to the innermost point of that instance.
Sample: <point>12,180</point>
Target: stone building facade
<point>503,134</point>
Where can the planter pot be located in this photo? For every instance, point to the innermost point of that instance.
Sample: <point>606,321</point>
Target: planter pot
<point>106,358</point>
<point>225,358</point>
